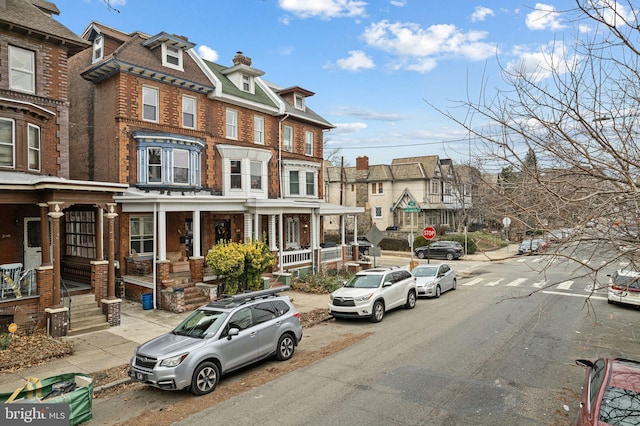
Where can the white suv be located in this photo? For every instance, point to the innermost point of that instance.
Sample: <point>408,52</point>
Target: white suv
<point>372,292</point>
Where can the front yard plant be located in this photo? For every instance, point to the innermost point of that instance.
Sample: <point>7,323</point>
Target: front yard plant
<point>323,282</point>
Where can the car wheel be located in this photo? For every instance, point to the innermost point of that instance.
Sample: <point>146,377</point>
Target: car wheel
<point>286,346</point>
<point>365,252</point>
<point>205,378</point>
<point>449,256</point>
<point>455,284</point>
<point>420,255</point>
<point>411,300</point>
<point>378,312</point>
<point>438,291</point>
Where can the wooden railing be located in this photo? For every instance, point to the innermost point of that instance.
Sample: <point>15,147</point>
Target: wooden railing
<point>76,271</point>
<point>295,257</point>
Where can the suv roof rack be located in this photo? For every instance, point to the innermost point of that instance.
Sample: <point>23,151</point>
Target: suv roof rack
<point>230,301</point>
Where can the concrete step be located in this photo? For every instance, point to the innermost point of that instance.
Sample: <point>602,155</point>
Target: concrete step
<point>76,331</point>
<point>86,316</point>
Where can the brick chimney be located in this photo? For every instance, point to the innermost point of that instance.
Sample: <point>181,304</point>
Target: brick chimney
<point>241,59</point>
<point>362,163</point>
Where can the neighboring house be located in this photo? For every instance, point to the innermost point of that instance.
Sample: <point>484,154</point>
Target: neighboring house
<point>211,153</point>
<point>385,191</point>
<point>49,221</point>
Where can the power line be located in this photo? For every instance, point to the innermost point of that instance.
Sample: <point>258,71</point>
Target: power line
<point>398,145</point>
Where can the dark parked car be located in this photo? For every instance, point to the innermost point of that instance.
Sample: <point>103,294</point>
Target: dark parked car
<point>610,392</point>
<point>392,228</point>
<point>449,250</point>
<point>532,246</point>
<point>328,244</point>
<point>364,245</point>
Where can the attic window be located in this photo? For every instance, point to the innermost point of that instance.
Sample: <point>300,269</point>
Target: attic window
<point>171,57</point>
<point>298,101</point>
<point>98,49</point>
<point>246,83</point>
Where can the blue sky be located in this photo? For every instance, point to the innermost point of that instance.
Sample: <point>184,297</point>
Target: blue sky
<point>375,66</point>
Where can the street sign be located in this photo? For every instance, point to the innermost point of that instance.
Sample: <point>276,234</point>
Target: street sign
<point>429,232</point>
<point>374,235</point>
<point>506,222</point>
<point>412,207</point>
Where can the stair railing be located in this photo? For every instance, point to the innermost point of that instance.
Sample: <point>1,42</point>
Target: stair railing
<point>64,290</point>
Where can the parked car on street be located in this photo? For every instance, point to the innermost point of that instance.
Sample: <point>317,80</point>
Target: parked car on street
<point>372,292</point>
<point>532,246</point>
<point>449,250</point>
<point>364,245</point>
<point>610,393</point>
<point>624,287</point>
<point>217,338</point>
<point>433,280</point>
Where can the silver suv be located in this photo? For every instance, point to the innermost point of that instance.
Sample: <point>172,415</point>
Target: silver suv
<point>372,292</point>
<point>217,338</point>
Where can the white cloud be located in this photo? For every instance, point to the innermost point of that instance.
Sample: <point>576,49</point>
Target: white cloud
<point>550,59</point>
<point>356,61</point>
<point>348,128</point>
<point>419,49</point>
<point>366,114</point>
<point>398,3</point>
<point>481,13</point>
<point>544,17</point>
<point>324,9</point>
<point>613,13</point>
<point>207,53</point>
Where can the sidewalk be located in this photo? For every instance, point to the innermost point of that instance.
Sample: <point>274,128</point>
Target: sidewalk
<point>101,350</point>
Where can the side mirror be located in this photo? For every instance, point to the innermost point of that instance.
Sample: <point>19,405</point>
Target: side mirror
<point>584,363</point>
<point>233,332</point>
<point>387,284</point>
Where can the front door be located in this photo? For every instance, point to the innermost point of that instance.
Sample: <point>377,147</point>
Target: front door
<point>32,243</point>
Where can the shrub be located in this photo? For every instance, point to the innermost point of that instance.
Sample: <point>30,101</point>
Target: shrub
<point>321,283</point>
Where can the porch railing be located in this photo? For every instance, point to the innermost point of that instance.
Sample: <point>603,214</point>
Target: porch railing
<point>295,257</point>
<point>331,254</point>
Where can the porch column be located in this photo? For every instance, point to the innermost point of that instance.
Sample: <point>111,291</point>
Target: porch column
<point>248,228</point>
<point>162,235</point>
<point>44,234</point>
<point>55,215</point>
<point>197,250</point>
<point>256,226</point>
<point>111,279</point>
<point>99,234</point>
<point>355,229</point>
<point>281,248</point>
<point>272,232</point>
<point>343,237</point>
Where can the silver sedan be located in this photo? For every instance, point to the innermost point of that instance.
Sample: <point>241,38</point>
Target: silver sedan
<point>432,280</point>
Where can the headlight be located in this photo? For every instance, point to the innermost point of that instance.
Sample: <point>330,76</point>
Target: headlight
<point>331,297</point>
<point>173,361</point>
<point>363,298</point>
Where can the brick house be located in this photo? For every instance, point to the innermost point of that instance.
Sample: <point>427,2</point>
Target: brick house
<point>48,218</point>
<point>210,153</point>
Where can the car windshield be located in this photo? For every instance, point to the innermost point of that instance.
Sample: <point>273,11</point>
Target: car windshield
<point>620,407</point>
<point>425,272</point>
<point>201,323</point>
<point>364,281</point>
<point>529,243</point>
<point>626,281</point>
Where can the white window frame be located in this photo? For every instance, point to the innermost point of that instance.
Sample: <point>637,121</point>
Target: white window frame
<point>11,143</point>
<point>255,170</point>
<point>292,232</point>
<point>144,226</point>
<point>308,143</point>
<point>310,181</point>
<point>174,53</point>
<point>378,212</point>
<point>159,166</point>
<point>377,188</point>
<point>297,182</point>
<point>98,49</point>
<point>175,169</point>
<point>18,72</point>
<point>232,124</point>
<point>34,148</point>
<point>287,143</point>
<point>189,104</point>
<point>154,93</point>
<point>298,101</point>
<point>258,129</point>
<point>246,83</point>
<point>233,183</point>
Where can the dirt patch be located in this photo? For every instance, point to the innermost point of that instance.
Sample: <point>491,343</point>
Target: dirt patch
<point>29,350</point>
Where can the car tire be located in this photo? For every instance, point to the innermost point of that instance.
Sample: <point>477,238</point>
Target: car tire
<point>455,284</point>
<point>420,255</point>
<point>438,291</point>
<point>365,252</point>
<point>449,256</point>
<point>205,378</point>
<point>411,300</point>
<point>377,312</point>
<point>286,347</point>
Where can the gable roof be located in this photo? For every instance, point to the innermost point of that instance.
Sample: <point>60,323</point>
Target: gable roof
<point>429,163</point>
<point>230,89</point>
<point>23,16</point>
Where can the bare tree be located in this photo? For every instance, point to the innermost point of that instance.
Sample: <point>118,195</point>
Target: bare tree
<point>565,136</point>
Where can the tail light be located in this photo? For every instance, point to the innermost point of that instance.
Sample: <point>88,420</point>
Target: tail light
<point>297,314</point>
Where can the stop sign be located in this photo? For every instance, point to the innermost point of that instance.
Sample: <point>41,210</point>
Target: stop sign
<point>429,232</point>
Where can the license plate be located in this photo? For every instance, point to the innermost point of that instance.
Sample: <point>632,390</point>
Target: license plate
<point>140,376</point>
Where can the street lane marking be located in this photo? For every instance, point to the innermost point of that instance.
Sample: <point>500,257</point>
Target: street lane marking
<point>494,283</point>
<point>516,282</point>
<point>473,281</point>
<point>565,285</point>
<point>539,284</point>
<point>573,295</point>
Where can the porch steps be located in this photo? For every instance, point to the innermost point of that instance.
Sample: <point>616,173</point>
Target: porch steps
<point>193,298</point>
<point>86,316</point>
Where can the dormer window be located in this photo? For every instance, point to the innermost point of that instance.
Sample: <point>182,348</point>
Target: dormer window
<point>246,83</point>
<point>298,102</point>
<point>98,49</point>
<point>171,57</point>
